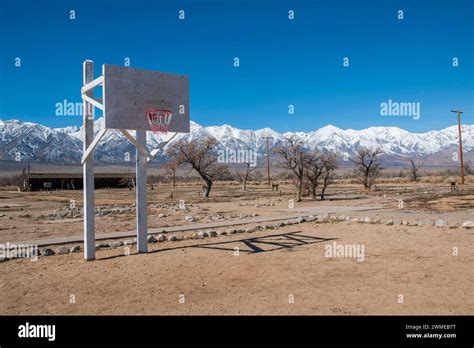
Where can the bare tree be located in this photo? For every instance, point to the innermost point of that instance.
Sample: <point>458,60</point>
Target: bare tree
<point>244,176</point>
<point>314,169</point>
<point>414,169</point>
<point>329,165</point>
<point>200,155</point>
<point>367,162</point>
<point>294,160</point>
<point>171,167</point>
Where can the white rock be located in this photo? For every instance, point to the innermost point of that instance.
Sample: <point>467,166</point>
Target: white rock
<point>151,239</point>
<point>390,223</point>
<point>211,233</point>
<point>46,252</point>
<point>323,217</point>
<point>468,224</point>
<point>441,223</point>
<point>161,237</point>
<point>130,242</point>
<point>62,250</point>
<point>75,249</point>
<point>115,244</point>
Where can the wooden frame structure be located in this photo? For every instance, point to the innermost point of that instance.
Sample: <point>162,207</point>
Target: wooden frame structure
<point>90,142</point>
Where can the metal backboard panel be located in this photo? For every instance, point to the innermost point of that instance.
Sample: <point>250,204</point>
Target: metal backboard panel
<point>130,92</point>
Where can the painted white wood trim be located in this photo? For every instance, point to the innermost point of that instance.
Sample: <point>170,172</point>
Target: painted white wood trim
<point>93,144</point>
<point>141,193</point>
<point>93,101</point>
<point>91,85</point>
<point>161,145</point>
<point>130,137</point>
<point>88,166</point>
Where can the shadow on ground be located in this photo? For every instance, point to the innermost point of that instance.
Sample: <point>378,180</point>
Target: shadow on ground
<point>283,241</point>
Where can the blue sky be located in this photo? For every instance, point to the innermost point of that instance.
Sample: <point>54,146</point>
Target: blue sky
<point>282,62</point>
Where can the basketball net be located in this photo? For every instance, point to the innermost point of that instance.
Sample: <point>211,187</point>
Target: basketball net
<point>159,120</point>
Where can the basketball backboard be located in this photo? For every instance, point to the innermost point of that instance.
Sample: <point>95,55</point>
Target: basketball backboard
<point>130,93</point>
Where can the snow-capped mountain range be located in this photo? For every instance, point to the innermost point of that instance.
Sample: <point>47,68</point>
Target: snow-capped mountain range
<point>38,143</point>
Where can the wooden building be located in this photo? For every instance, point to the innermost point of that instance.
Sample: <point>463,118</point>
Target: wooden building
<point>72,179</point>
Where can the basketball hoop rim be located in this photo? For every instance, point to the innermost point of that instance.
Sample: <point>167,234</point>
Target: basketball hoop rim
<point>159,128</point>
<point>158,110</point>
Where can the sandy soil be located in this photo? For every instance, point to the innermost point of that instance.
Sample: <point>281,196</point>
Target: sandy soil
<point>416,262</point>
<point>273,266</point>
<point>27,215</point>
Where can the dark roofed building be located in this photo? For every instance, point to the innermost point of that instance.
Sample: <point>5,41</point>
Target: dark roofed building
<point>71,178</point>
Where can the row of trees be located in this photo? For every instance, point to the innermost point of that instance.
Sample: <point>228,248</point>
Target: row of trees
<point>415,165</point>
<point>315,168</point>
<point>310,169</point>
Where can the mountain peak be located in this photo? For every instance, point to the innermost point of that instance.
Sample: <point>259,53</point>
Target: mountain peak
<point>330,127</point>
<point>64,145</point>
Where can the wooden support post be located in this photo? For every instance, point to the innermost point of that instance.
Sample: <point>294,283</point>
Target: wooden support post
<point>268,160</point>
<point>460,147</point>
<point>88,167</point>
<point>459,112</point>
<point>141,199</point>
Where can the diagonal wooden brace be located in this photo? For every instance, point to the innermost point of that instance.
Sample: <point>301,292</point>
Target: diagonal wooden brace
<point>93,145</point>
<point>91,85</point>
<point>161,145</point>
<point>134,141</point>
<point>93,101</point>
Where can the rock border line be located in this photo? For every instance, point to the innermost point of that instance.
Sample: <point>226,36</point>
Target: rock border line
<point>155,237</point>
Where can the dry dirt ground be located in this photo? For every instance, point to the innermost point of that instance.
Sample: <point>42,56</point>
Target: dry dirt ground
<point>271,268</point>
<point>26,216</point>
<point>278,271</point>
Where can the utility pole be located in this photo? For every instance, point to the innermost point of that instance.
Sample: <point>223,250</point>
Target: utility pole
<point>459,112</point>
<point>268,158</point>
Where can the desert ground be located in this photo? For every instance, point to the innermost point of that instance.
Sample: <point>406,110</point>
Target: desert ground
<point>227,259</point>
